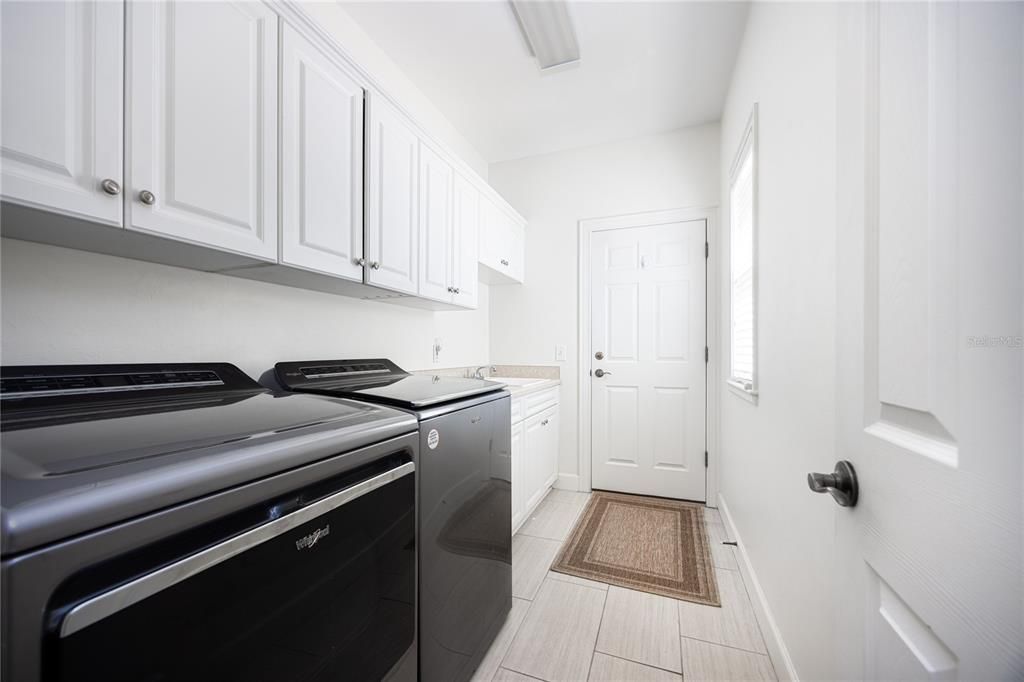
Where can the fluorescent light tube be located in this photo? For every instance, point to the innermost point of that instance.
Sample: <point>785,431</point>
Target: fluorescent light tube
<point>548,30</point>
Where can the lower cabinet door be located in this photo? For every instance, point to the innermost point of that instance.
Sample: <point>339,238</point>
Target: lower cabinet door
<point>519,491</point>
<point>549,456</point>
<point>536,431</point>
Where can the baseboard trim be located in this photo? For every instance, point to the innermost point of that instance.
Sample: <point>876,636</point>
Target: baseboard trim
<point>567,482</point>
<point>777,650</point>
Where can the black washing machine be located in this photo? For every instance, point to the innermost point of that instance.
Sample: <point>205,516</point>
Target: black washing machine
<point>463,472</point>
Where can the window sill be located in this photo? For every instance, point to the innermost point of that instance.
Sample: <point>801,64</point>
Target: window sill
<point>748,394</point>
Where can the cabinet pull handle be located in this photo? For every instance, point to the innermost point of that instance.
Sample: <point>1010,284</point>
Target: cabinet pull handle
<point>111,187</point>
<point>147,197</point>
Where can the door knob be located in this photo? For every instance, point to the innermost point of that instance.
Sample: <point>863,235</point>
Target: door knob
<point>841,484</point>
<point>600,373</point>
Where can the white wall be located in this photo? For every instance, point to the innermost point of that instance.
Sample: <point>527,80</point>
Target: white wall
<point>554,192</point>
<point>787,65</point>
<point>358,44</point>
<point>64,306</point>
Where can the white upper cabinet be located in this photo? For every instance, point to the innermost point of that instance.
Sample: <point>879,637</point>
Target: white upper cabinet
<point>321,161</point>
<point>203,105</point>
<point>61,131</point>
<point>435,226</point>
<point>392,239</point>
<point>465,243</point>
<point>502,244</point>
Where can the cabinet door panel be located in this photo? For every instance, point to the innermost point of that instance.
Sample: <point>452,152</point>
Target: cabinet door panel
<point>203,120</point>
<point>321,161</point>
<point>435,225</point>
<point>465,242</point>
<point>63,95</point>
<point>550,456</point>
<point>392,240</point>
<point>519,482</point>
<point>536,445</point>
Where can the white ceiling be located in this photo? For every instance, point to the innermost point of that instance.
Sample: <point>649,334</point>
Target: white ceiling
<point>645,68</point>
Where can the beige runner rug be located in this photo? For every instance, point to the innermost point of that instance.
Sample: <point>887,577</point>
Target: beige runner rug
<point>643,543</point>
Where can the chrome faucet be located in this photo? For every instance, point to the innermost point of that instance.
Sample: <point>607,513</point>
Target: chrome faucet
<point>478,372</point>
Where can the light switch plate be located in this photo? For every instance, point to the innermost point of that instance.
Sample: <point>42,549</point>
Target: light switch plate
<point>559,353</point>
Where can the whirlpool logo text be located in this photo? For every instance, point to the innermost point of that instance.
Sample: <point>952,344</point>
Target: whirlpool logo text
<point>307,541</point>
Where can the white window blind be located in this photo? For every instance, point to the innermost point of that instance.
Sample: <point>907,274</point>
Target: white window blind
<point>741,247</point>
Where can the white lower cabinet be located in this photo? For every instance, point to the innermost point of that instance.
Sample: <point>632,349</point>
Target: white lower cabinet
<point>534,451</point>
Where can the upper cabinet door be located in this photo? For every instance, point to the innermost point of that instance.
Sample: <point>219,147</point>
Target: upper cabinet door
<point>203,120</point>
<point>465,242</point>
<point>392,240</point>
<point>435,226</point>
<point>63,97</point>
<point>516,257</point>
<point>321,161</point>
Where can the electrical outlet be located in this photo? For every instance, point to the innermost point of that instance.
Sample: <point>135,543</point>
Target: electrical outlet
<point>559,353</point>
<point>437,350</point>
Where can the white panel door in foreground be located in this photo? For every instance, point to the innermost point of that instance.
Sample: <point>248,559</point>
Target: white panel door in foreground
<point>648,377</point>
<point>929,346</point>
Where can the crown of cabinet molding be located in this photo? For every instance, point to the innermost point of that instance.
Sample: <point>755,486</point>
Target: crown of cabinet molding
<point>294,13</point>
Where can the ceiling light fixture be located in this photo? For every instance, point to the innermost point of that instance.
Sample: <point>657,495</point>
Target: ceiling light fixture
<point>547,28</point>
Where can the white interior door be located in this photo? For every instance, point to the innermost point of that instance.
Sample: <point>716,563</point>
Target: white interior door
<point>648,371</point>
<point>63,93</point>
<point>930,366</point>
<point>203,95</point>
<point>321,161</point>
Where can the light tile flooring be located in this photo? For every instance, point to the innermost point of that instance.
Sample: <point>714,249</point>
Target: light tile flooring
<point>567,628</point>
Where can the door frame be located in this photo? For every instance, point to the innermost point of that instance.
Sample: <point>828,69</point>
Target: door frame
<point>587,228</point>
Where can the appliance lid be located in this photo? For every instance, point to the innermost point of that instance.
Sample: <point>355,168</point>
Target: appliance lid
<point>73,462</point>
<point>379,381</point>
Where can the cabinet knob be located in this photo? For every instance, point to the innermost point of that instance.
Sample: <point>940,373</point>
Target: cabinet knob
<point>544,423</point>
<point>456,290</point>
<point>375,264</point>
<point>361,262</point>
<point>111,187</point>
<point>147,197</point>
<point>504,262</point>
<point>451,290</point>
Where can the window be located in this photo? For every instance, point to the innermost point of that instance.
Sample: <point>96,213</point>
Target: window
<point>743,264</point>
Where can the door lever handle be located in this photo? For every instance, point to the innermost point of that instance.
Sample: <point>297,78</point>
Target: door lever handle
<point>841,484</point>
<point>600,373</point>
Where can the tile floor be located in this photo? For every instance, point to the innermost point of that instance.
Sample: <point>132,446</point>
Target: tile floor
<point>571,629</point>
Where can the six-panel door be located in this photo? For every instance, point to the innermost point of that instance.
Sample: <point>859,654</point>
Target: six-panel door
<point>392,211</point>
<point>321,161</point>
<point>647,358</point>
<point>62,104</point>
